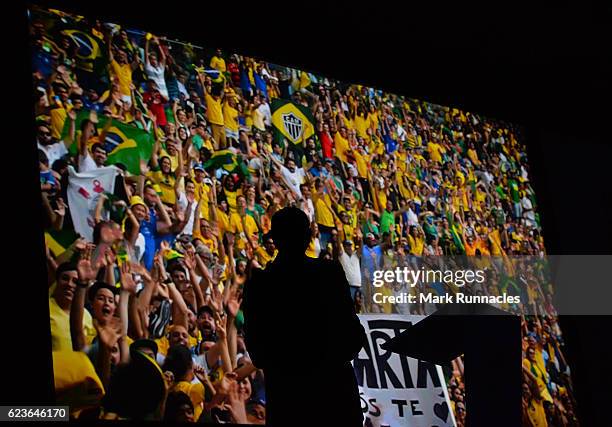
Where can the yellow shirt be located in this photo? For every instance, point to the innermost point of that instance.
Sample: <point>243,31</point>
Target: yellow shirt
<point>416,245</point>
<point>218,64</point>
<point>373,120</point>
<point>361,125</point>
<point>342,146</point>
<point>123,73</point>
<point>61,339</point>
<point>231,196</point>
<point>166,183</point>
<point>58,118</point>
<point>230,117</point>
<point>536,413</point>
<point>258,119</point>
<point>201,192</point>
<point>323,213</point>
<point>213,110</point>
<point>310,251</point>
<point>237,228</point>
<point>222,221</point>
<point>263,257</point>
<point>195,391</point>
<point>362,161</point>
<point>435,151</point>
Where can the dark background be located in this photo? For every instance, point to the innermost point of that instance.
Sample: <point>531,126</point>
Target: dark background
<point>546,67</point>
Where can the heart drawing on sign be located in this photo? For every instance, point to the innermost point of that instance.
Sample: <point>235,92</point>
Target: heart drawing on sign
<point>441,411</point>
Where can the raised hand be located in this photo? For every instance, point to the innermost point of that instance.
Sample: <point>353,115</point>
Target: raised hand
<point>109,333</point>
<point>127,280</point>
<point>221,326</point>
<point>189,260</point>
<point>233,303</point>
<point>85,270</point>
<point>236,404</point>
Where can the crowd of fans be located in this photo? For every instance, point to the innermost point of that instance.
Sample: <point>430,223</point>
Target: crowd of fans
<point>385,180</point>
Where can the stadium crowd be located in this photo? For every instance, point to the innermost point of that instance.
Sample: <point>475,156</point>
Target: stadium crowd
<point>385,180</point>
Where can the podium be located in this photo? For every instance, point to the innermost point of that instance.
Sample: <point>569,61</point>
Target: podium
<point>490,340</point>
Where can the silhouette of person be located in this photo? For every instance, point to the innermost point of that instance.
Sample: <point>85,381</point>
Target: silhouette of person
<point>302,330</point>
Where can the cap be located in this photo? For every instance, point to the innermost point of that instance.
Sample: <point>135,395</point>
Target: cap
<point>137,200</point>
<point>207,181</point>
<point>144,343</point>
<point>157,188</point>
<point>347,242</point>
<point>76,381</point>
<point>198,167</point>
<point>370,236</point>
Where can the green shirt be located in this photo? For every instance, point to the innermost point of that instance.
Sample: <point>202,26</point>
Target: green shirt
<point>387,222</point>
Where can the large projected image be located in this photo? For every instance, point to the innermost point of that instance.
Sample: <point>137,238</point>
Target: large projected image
<point>161,165</point>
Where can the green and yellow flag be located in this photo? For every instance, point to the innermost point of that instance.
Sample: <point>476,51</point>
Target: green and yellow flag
<point>291,121</point>
<point>59,241</point>
<point>227,160</point>
<point>124,143</point>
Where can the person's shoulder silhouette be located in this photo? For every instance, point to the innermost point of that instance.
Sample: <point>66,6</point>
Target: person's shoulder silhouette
<point>302,330</point>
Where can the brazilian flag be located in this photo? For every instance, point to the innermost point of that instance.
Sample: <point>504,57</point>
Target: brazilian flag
<point>124,143</point>
<point>59,241</point>
<point>291,121</point>
<point>91,51</point>
<point>227,160</point>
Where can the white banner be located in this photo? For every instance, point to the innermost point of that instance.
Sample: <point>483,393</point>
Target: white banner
<point>397,390</point>
<point>84,190</point>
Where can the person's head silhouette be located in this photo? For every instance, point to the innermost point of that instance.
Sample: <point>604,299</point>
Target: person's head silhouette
<point>291,231</point>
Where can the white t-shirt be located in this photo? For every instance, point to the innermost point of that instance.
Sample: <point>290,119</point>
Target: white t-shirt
<point>308,208</point>
<point>350,264</point>
<point>54,151</point>
<point>183,202</point>
<point>264,109</point>
<point>86,163</point>
<point>413,219</point>
<point>157,75</point>
<point>294,178</point>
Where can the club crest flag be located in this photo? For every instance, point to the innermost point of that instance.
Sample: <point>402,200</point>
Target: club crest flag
<point>84,191</point>
<point>291,121</point>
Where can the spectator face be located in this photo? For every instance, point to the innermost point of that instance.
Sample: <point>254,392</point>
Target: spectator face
<point>244,389</point>
<point>270,246</point>
<point>241,202</point>
<point>122,57</point>
<point>348,248</point>
<point>140,212</point>
<point>153,59</point>
<point>115,355</point>
<point>256,414</point>
<point>291,166</point>
<point>99,156</point>
<point>531,354</point>
<point>103,305</point>
<point>179,278</point>
<point>150,197</point>
<point>206,323</point>
<point>166,165</point>
<point>190,189</point>
<point>179,336</point>
<point>184,414</point>
<point>44,135</point>
<point>64,290</point>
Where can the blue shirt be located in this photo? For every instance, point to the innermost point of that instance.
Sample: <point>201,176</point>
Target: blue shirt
<point>148,229</point>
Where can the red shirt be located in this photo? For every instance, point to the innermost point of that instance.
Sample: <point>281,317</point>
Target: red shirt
<point>155,104</point>
<point>326,144</point>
